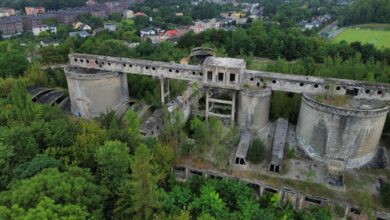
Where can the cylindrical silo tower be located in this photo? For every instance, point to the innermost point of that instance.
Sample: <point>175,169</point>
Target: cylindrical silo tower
<point>253,108</point>
<point>340,130</point>
<point>94,92</point>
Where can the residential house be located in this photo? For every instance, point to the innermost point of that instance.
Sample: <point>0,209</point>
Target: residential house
<point>68,16</point>
<point>11,26</point>
<point>42,28</point>
<point>149,31</point>
<point>139,14</point>
<point>81,26</point>
<point>201,26</point>
<point>110,26</point>
<point>91,3</point>
<point>81,34</point>
<point>46,43</point>
<point>35,20</point>
<point>128,14</point>
<point>6,12</point>
<point>170,33</point>
<point>34,10</point>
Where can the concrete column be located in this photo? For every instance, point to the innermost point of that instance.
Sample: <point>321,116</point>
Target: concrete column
<point>207,103</point>
<point>261,190</point>
<point>233,106</point>
<point>124,88</point>
<point>162,91</point>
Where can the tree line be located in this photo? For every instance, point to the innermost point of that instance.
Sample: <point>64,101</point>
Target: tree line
<point>366,11</point>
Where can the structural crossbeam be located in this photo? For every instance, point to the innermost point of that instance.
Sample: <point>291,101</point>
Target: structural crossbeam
<point>257,80</point>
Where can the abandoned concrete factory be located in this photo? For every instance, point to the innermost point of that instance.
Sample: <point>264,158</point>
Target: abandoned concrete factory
<point>341,136</point>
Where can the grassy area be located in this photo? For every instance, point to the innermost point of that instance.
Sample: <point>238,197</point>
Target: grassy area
<point>380,38</point>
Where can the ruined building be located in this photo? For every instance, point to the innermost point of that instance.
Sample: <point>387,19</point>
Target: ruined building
<point>342,135</point>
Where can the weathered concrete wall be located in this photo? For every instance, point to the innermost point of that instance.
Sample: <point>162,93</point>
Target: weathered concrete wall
<point>335,135</point>
<point>93,93</point>
<point>253,108</point>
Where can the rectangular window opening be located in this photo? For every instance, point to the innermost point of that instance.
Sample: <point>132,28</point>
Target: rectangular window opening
<point>232,77</point>
<point>209,76</point>
<point>220,77</point>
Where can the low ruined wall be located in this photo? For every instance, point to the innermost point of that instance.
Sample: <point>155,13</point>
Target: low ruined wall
<point>297,199</point>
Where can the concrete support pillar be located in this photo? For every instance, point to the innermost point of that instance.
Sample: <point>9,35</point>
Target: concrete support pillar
<point>233,106</point>
<point>207,103</point>
<point>261,190</point>
<point>164,84</point>
<point>124,88</point>
<point>301,199</point>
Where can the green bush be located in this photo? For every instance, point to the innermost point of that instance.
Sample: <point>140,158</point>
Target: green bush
<point>257,151</point>
<point>385,195</point>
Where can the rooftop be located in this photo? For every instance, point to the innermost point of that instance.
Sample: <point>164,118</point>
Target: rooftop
<point>349,102</point>
<point>225,62</point>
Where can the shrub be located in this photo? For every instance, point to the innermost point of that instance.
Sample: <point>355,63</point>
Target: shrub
<point>257,151</point>
<point>385,194</point>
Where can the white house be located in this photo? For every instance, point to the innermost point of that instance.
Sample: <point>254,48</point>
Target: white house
<point>128,14</point>
<point>81,34</point>
<point>110,26</point>
<point>148,32</point>
<point>41,28</point>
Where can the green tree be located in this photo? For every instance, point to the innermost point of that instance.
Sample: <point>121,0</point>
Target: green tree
<point>22,141</point>
<point>113,161</point>
<point>36,165</point>
<point>133,126</point>
<point>72,187</point>
<point>36,76</point>
<point>12,63</point>
<point>164,158</point>
<point>201,135</point>
<point>46,209</point>
<point>23,110</point>
<point>209,202</point>
<point>6,164</point>
<point>144,184</point>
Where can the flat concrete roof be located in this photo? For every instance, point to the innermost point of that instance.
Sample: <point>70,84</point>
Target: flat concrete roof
<point>349,102</point>
<point>225,62</point>
<point>243,146</point>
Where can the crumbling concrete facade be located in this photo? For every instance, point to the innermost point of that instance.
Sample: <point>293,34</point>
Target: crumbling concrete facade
<point>348,137</point>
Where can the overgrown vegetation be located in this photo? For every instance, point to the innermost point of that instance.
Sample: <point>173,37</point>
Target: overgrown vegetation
<point>385,194</point>
<point>257,151</point>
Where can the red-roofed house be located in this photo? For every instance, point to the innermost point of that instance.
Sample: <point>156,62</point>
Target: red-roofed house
<point>34,10</point>
<point>170,33</point>
<point>139,14</point>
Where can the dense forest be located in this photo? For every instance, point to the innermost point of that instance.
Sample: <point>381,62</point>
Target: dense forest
<point>367,11</point>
